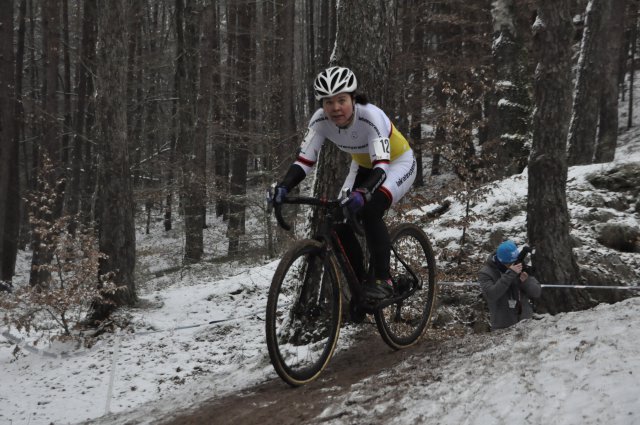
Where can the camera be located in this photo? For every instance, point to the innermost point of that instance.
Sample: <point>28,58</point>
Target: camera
<point>522,256</point>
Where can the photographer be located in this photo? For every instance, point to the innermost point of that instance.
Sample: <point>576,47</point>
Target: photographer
<point>507,287</point>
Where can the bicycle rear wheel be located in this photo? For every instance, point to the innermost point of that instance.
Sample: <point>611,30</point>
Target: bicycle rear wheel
<point>413,268</point>
<point>303,313</point>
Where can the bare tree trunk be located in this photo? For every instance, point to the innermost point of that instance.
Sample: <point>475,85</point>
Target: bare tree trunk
<point>584,121</point>
<point>34,122</point>
<point>373,40</point>
<point>403,58</point>
<point>608,127</point>
<point>547,213</point>
<point>208,68</point>
<point>219,145</point>
<point>7,139</point>
<point>282,96</point>
<point>510,124</point>
<point>153,143</point>
<point>283,70</point>
<point>326,33</point>
<point>410,84</point>
<point>77,194</point>
<point>14,205</point>
<point>115,209</point>
<point>633,14</point>
<point>135,111</point>
<point>67,122</point>
<point>51,142</point>
<point>238,184</point>
<point>175,113</point>
<point>366,52</point>
<point>192,183</point>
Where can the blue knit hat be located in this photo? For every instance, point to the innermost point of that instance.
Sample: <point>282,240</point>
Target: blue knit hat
<point>507,252</point>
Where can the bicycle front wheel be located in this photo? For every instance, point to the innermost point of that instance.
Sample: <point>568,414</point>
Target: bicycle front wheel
<point>304,309</point>
<point>413,268</point>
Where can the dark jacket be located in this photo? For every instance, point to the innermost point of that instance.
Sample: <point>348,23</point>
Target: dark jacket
<point>508,298</point>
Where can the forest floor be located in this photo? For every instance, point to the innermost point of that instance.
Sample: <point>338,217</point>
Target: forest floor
<point>274,402</point>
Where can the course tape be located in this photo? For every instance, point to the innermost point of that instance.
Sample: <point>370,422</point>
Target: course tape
<point>553,286</point>
<point>20,342</point>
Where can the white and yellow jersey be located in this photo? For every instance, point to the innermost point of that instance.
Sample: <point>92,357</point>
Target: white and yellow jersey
<point>371,138</point>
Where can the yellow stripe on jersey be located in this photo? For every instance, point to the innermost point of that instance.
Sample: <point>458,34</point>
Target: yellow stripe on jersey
<point>399,145</point>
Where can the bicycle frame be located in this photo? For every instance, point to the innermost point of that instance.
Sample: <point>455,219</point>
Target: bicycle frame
<point>333,246</point>
<point>328,236</point>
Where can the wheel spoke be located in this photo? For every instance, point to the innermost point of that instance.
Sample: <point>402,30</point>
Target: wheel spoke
<point>303,314</point>
<point>412,270</point>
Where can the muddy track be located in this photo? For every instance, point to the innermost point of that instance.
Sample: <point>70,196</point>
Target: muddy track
<point>274,402</point>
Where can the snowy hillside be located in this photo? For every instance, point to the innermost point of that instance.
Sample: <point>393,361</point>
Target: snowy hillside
<point>200,334</point>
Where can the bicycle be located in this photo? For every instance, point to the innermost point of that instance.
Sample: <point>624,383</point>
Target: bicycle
<point>304,306</point>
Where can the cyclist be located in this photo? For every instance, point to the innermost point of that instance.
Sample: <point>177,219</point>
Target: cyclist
<point>382,170</point>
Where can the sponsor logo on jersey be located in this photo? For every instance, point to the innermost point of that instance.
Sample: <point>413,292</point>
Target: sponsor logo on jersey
<point>371,124</point>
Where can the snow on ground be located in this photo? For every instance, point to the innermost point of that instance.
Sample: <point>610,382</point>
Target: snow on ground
<point>574,368</point>
<point>201,335</point>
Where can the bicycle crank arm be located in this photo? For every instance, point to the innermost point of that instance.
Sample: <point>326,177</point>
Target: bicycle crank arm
<point>394,300</point>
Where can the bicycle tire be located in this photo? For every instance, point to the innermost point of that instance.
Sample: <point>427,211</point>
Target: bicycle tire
<point>403,323</point>
<point>302,321</point>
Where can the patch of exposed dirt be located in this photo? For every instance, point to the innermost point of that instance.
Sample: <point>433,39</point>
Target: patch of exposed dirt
<point>274,402</point>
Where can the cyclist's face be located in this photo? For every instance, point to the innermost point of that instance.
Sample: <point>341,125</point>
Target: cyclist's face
<point>339,109</point>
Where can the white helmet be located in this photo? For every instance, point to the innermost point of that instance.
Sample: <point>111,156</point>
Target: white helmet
<point>333,81</point>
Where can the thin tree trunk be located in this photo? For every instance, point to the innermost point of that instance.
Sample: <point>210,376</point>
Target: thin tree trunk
<point>510,123</point>
<point>209,62</point>
<point>135,78</point>
<point>608,127</point>
<point>12,216</point>
<point>7,139</point>
<point>153,119</point>
<point>191,194</point>
<point>31,149</point>
<point>283,95</point>
<point>51,141</point>
<point>633,13</point>
<point>238,183</point>
<point>584,121</point>
<point>223,83</point>
<point>85,69</point>
<point>219,145</point>
<point>66,128</point>
<point>168,212</point>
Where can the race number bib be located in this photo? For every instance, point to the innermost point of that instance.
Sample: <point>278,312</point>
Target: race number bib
<point>382,149</point>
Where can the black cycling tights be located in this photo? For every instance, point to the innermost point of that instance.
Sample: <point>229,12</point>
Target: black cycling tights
<point>377,236</point>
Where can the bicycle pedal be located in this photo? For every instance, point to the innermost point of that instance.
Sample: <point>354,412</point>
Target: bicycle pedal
<point>387,302</point>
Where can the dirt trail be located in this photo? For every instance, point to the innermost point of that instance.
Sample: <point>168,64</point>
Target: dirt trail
<point>274,402</point>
